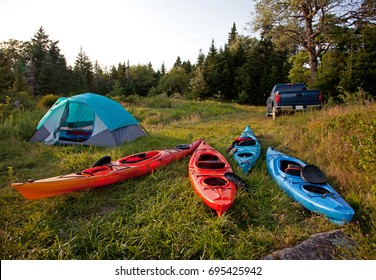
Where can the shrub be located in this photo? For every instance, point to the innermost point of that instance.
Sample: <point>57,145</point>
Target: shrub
<point>23,99</point>
<point>358,97</point>
<point>48,100</point>
<point>158,101</point>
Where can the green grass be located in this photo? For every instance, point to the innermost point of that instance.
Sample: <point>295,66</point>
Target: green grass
<point>159,216</point>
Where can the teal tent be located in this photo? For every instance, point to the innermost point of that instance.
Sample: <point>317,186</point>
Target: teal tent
<point>87,119</point>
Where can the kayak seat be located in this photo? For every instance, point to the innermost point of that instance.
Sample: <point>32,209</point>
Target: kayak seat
<point>138,157</point>
<point>293,169</point>
<point>95,169</point>
<point>102,161</point>
<point>208,164</point>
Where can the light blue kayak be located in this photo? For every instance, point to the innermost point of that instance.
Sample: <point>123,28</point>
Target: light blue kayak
<point>307,185</point>
<point>246,150</point>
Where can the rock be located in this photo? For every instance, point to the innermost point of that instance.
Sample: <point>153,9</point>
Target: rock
<point>16,104</point>
<point>322,246</point>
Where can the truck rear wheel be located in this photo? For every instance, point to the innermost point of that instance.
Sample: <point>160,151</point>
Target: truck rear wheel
<point>267,113</point>
<point>275,113</point>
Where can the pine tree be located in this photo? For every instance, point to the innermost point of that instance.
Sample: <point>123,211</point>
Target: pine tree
<point>211,74</point>
<point>232,35</point>
<point>38,50</point>
<point>200,59</point>
<point>177,63</point>
<point>101,79</point>
<point>143,79</point>
<point>187,66</point>
<point>53,76</point>
<point>163,69</point>
<point>226,75</point>
<point>17,56</point>
<point>83,71</point>
<point>6,76</point>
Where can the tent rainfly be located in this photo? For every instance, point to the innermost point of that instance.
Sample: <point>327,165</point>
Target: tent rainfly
<point>87,119</point>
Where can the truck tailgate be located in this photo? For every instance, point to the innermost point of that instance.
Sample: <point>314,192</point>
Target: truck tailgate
<point>292,98</point>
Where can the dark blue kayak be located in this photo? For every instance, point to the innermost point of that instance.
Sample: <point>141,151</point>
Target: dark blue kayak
<point>246,150</point>
<point>307,185</point>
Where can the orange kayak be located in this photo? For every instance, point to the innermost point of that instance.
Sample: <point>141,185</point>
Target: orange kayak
<point>206,173</point>
<point>104,174</point>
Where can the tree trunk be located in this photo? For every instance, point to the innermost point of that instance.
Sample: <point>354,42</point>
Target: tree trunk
<point>310,43</point>
<point>312,64</point>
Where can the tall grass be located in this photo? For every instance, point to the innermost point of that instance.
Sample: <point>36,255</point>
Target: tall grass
<point>159,216</point>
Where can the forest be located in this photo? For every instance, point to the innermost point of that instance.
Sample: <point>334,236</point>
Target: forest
<point>327,44</point>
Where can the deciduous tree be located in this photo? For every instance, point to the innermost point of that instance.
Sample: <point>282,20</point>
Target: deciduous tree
<point>304,22</point>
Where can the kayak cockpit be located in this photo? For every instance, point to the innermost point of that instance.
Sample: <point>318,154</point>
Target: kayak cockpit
<point>208,161</point>
<point>138,157</point>
<point>246,142</point>
<point>316,190</point>
<point>290,167</point>
<point>244,155</point>
<point>215,181</point>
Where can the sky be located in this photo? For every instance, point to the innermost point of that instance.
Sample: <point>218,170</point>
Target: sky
<point>117,31</point>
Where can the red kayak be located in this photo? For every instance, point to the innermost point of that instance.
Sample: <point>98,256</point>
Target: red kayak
<point>207,169</point>
<point>104,172</point>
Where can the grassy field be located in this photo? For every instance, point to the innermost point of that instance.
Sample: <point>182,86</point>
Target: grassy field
<point>159,216</point>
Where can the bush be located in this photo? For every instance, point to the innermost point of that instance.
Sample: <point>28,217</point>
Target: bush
<point>6,108</point>
<point>19,124</point>
<point>23,99</point>
<point>133,99</point>
<point>359,97</point>
<point>48,100</point>
<point>158,101</point>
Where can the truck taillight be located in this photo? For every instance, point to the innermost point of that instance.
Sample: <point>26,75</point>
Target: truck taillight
<point>320,97</point>
<point>277,97</point>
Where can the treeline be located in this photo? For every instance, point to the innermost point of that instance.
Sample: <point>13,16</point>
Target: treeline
<point>243,70</point>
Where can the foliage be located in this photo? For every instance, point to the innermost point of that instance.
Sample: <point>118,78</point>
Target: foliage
<point>303,23</point>
<point>83,72</point>
<point>6,108</point>
<point>16,101</point>
<point>176,81</point>
<point>143,78</point>
<point>48,100</point>
<point>360,67</point>
<point>6,75</point>
<point>359,97</point>
<point>19,125</point>
<point>197,84</point>
<point>328,77</point>
<point>299,73</point>
<point>117,89</point>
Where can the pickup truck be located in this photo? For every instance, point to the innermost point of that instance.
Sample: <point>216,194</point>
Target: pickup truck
<point>292,97</point>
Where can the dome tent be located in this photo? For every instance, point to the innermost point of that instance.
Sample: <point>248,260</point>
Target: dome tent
<point>87,119</point>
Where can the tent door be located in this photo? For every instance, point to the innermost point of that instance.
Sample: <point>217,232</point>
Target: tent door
<point>78,124</point>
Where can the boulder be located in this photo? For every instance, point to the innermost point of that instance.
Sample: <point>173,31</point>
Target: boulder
<point>322,246</point>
